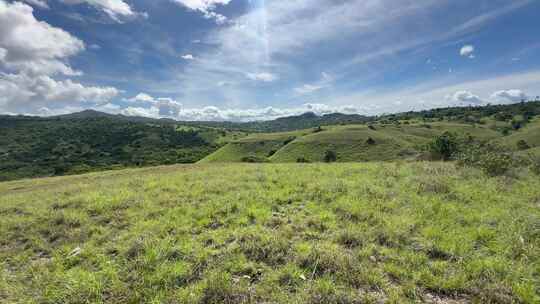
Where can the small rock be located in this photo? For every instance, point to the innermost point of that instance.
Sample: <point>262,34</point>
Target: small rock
<point>75,252</point>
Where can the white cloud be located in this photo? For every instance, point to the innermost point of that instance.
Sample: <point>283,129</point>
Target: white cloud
<point>141,97</point>
<point>117,10</point>
<point>188,57</point>
<point>467,51</point>
<point>440,93</point>
<point>167,107</point>
<point>307,89</point>
<point>464,98</point>
<point>22,91</point>
<point>155,107</point>
<point>206,7</point>
<point>265,77</point>
<point>324,82</point>
<point>31,46</point>
<point>509,96</point>
<point>31,54</point>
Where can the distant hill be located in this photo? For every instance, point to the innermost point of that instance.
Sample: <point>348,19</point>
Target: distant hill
<point>92,140</point>
<point>290,123</point>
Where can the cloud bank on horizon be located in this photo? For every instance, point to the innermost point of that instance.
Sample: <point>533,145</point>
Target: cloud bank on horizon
<point>243,60</point>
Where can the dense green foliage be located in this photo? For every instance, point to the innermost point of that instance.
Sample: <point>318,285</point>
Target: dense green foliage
<point>419,232</point>
<point>444,146</point>
<point>32,147</point>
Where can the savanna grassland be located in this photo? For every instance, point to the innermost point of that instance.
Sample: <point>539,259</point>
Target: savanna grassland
<point>402,232</point>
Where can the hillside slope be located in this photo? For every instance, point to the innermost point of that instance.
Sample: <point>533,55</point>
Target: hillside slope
<point>90,141</point>
<point>530,134</point>
<point>272,233</point>
<point>351,143</point>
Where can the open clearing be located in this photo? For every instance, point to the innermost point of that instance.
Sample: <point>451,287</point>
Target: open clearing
<point>272,233</point>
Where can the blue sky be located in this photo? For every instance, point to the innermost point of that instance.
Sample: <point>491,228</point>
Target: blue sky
<point>261,59</point>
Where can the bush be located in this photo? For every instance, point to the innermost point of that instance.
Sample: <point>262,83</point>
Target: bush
<point>302,160</point>
<point>491,159</point>
<point>444,146</point>
<point>522,145</point>
<point>330,156</point>
<point>253,159</point>
<point>370,141</point>
<point>496,164</point>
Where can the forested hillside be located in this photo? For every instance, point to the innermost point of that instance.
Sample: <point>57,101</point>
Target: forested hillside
<point>32,147</point>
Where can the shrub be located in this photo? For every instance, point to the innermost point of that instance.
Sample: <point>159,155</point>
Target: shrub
<point>522,145</point>
<point>302,160</point>
<point>491,159</point>
<point>271,153</point>
<point>330,156</point>
<point>444,146</point>
<point>370,141</point>
<point>372,127</point>
<point>253,159</point>
<point>496,164</point>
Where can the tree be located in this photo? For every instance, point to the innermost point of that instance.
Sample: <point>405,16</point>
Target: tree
<point>444,146</point>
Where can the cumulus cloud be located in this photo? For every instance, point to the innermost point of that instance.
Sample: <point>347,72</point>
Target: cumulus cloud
<point>27,92</point>
<point>31,54</point>
<point>155,107</point>
<point>206,7</point>
<point>31,46</point>
<point>509,96</point>
<point>465,98</point>
<point>467,51</point>
<point>188,57</point>
<point>146,105</point>
<point>265,77</point>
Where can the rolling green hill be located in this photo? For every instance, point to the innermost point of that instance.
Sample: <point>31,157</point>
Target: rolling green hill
<point>351,143</point>
<point>89,140</point>
<point>405,232</point>
<point>530,134</point>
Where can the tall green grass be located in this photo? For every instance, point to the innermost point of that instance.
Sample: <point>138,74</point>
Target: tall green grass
<point>272,233</point>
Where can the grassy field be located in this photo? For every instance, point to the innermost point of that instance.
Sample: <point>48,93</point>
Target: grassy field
<point>389,142</point>
<point>272,233</point>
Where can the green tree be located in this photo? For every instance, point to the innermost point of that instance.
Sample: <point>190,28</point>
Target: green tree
<point>444,146</point>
